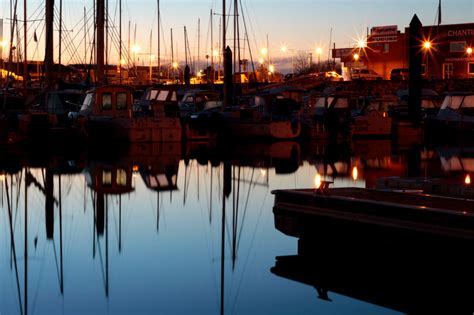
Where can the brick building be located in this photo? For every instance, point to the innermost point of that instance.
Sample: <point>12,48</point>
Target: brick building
<point>447,51</point>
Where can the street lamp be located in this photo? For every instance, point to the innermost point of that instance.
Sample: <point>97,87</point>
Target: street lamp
<point>356,57</point>
<point>319,51</point>
<point>426,46</point>
<point>469,51</point>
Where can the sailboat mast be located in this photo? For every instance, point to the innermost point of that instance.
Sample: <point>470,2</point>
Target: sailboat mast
<point>25,40</point>
<point>159,52</point>
<point>120,41</point>
<point>100,40</point>
<point>48,57</point>
<point>60,35</point>
<point>212,49</point>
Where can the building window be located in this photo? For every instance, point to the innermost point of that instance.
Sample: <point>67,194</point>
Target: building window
<point>470,68</point>
<point>106,101</point>
<point>457,46</point>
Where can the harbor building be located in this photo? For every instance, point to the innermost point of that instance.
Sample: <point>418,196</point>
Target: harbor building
<point>447,51</point>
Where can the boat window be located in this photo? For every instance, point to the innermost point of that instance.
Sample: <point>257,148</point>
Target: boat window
<point>188,99</point>
<point>468,101</point>
<point>106,101</point>
<point>106,178</point>
<point>259,101</point>
<point>341,103</point>
<point>152,94</point>
<point>121,100</point>
<point>321,102</point>
<point>452,102</point>
<point>162,95</point>
<point>87,104</point>
<point>121,178</point>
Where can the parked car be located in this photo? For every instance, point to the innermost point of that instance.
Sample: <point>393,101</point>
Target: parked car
<point>364,74</point>
<point>333,76</point>
<point>399,74</point>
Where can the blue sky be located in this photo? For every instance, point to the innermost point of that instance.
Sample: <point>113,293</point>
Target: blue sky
<point>300,25</point>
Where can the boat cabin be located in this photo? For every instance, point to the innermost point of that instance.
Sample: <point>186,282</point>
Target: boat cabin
<point>159,100</point>
<point>460,103</point>
<point>109,100</point>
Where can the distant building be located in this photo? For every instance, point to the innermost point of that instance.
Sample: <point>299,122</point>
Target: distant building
<point>447,51</point>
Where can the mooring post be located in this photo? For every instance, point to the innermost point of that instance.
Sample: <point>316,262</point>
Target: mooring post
<point>228,77</point>
<point>415,56</point>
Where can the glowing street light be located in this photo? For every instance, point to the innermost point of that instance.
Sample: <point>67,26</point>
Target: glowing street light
<point>356,57</point>
<point>319,51</point>
<point>427,45</point>
<point>469,51</point>
<point>261,61</point>
<point>284,49</point>
<point>264,51</point>
<point>361,43</point>
<point>271,68</point>
<point>175,65</point>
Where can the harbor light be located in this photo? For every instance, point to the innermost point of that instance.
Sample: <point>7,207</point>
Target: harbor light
<point>264,51</point>
<point>260,60</point>
<point>284,49</point>
<point>469,50</point>
<point>427,44</point>
<point>122,62</point>
<point>467,180</point>
<point>175,65</point>
<point>355,173</point>
<point>215,53</point>
<point>356,57</point>
<point>319,51</point>
<point>271,68</point>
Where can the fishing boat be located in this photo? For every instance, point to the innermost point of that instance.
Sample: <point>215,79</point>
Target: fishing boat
<point>372,120</point>
<point>108,114</point>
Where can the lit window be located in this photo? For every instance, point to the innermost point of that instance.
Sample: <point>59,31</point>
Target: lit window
<point>470,68</point>
<point>106,178</point>
<point>107,101</point>
<point>457,47</point>
<point>121,178</point>
<point>121,101</point>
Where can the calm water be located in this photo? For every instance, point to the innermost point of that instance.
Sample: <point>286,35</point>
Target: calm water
<point>176,230</point>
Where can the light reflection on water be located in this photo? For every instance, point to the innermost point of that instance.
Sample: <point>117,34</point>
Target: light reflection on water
<point>147,235</point>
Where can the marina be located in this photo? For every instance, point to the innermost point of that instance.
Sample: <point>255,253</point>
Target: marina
<point>187,163</point>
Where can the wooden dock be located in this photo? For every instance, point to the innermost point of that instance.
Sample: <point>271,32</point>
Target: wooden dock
<point>405,210</point>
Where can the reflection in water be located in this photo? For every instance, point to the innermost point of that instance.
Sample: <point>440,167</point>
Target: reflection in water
<point>170,229</point>
<point>393,267</point>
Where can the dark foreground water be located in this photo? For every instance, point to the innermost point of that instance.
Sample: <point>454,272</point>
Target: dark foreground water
<point>171,230</point>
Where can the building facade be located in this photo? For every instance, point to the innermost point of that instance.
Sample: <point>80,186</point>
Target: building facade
<point>447,51</point>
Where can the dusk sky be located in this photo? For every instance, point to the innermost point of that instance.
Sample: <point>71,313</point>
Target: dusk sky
<point>300,25</point>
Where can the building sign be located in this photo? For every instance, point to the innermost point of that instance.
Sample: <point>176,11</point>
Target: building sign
<point>383,39</point>
<point>341,52</point>
<point>384,30</point>
<point>461,33</point>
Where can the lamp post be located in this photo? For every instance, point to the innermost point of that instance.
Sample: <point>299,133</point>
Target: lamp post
<point>426,48</point>
<point>319,51</point>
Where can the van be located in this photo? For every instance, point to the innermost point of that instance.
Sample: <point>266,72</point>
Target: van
<point>364,74</point>
<point>399,74</point>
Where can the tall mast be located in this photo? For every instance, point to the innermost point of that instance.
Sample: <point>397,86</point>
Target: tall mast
<point>185,47</point>
<point>25,41</point>
<point>159,52</point>
<point>212,49</point>
<point>60,35</point>
<point>100,40</point>
<point>48,56</point>
<point>199,44</point>
<point>120,41</point>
